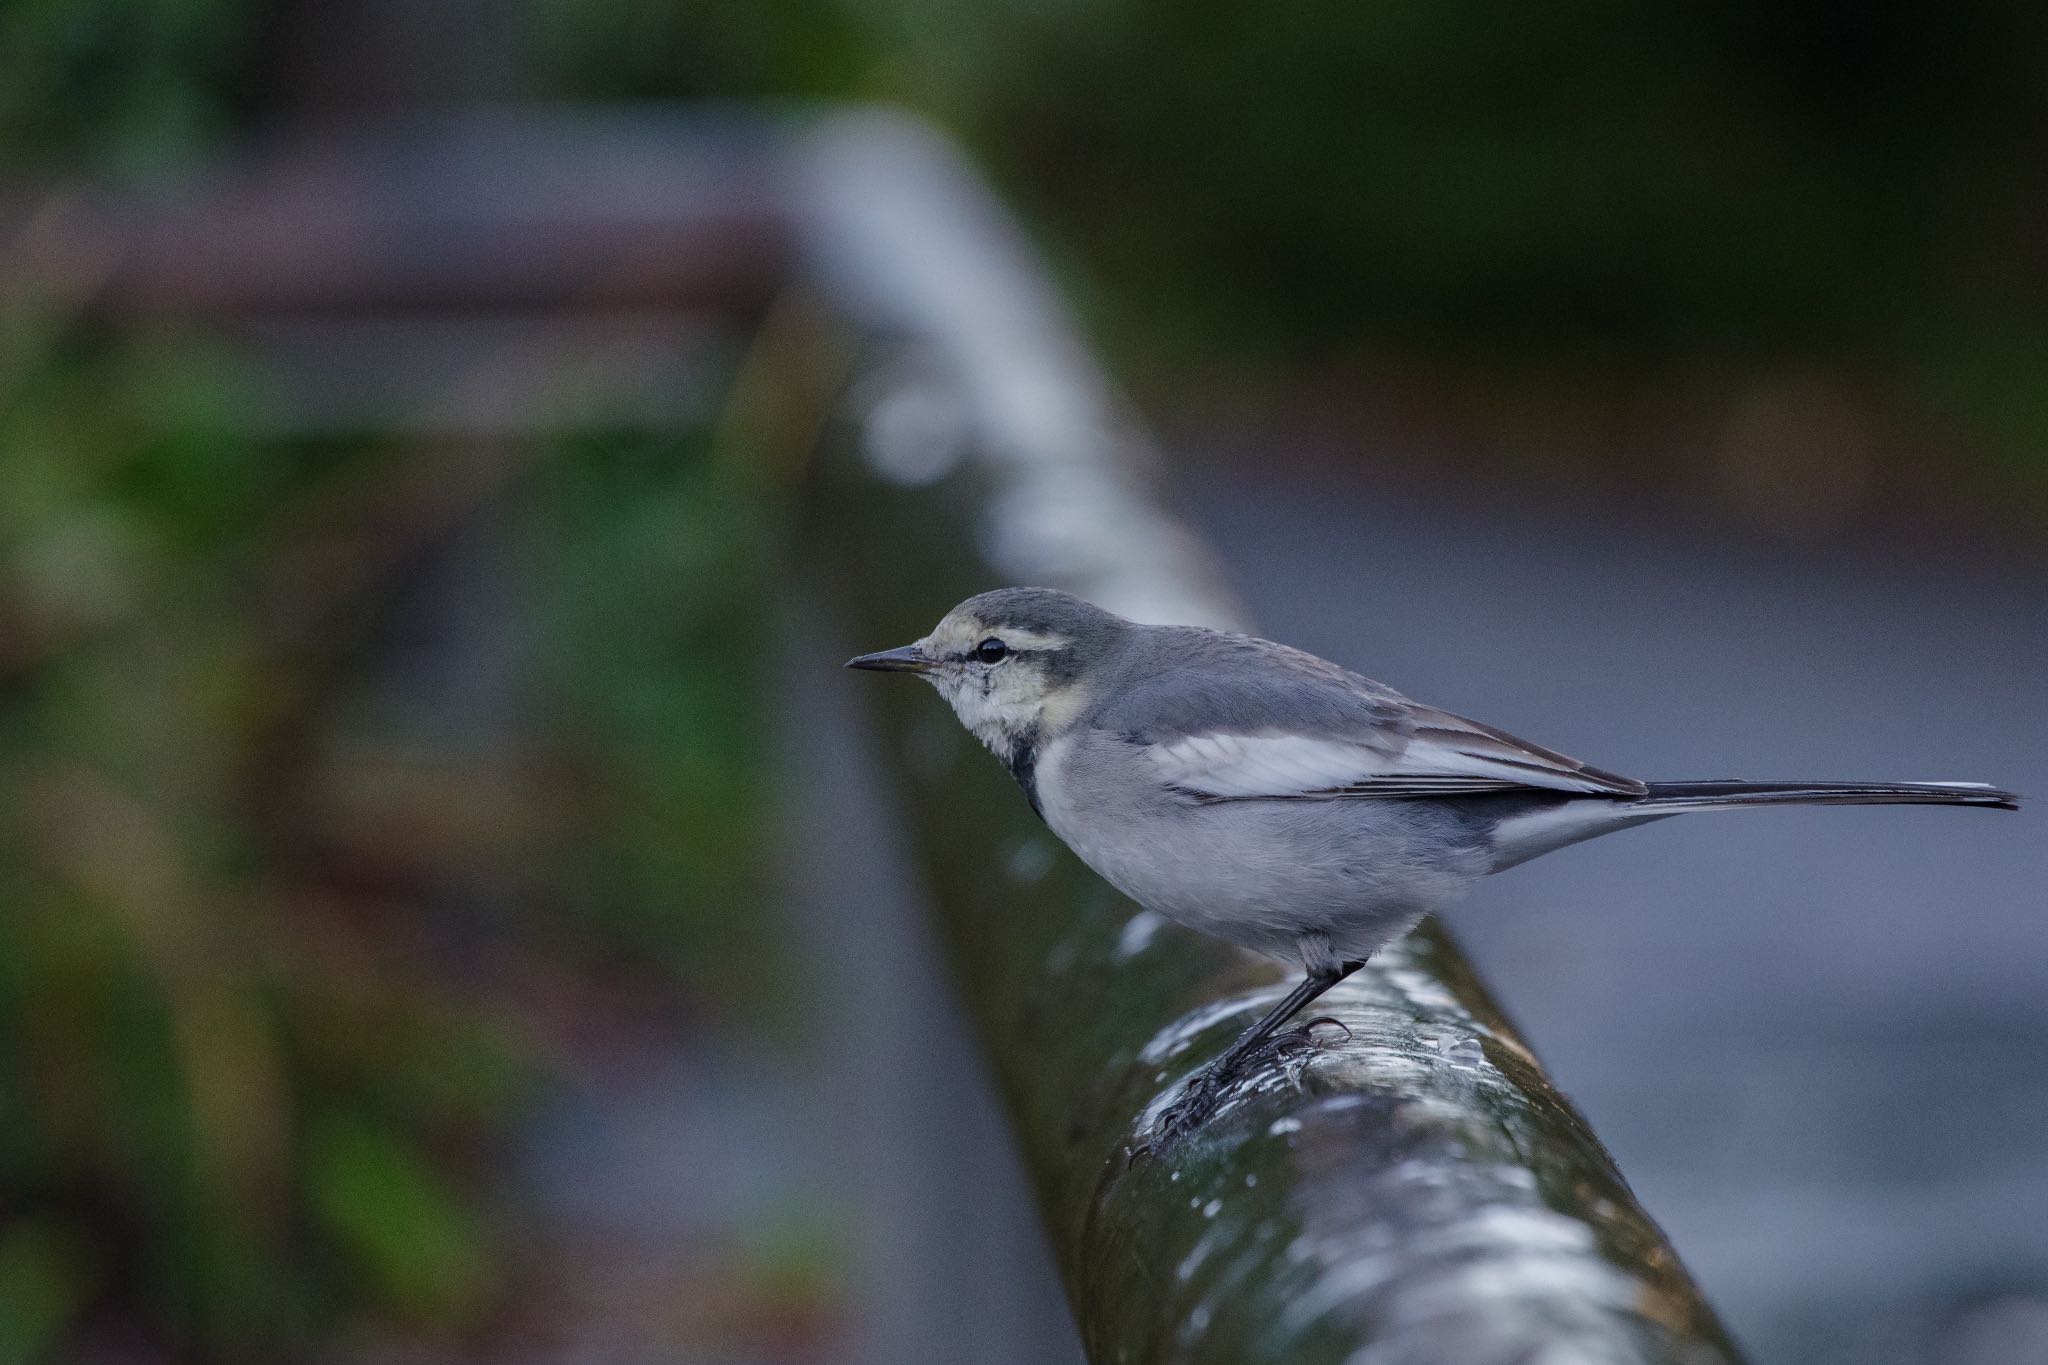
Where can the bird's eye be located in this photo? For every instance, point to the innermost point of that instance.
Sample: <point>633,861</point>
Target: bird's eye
<point>991,651</point>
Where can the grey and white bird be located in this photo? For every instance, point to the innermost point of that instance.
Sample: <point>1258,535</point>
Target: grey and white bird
<point>1273,799</point>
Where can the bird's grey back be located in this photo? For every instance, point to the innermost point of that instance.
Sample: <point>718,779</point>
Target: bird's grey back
<point>1170,681</point>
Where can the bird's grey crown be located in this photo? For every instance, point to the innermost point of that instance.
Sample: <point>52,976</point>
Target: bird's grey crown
<point>1045,611</point>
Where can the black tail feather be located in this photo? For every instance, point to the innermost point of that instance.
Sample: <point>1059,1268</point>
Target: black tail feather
<point>1677,796</point>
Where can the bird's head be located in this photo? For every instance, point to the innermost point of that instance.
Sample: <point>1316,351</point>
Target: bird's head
<point>1016,664</point>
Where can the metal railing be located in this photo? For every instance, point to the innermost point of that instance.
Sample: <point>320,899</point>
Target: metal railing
<point>1416,1191</point>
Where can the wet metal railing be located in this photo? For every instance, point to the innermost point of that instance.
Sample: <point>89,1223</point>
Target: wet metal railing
<point>1415,1192</point>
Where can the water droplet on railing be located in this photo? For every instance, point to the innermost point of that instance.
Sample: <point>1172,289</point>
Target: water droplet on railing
<point>1466,1052</point>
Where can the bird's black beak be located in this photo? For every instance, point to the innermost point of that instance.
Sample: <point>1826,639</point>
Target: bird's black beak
<point>907,659</point>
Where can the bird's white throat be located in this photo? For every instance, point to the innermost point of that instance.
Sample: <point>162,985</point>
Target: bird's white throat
<point>1004,713</point>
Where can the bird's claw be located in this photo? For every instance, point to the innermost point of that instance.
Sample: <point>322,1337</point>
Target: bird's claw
<point>1301,1038</point>
<point>1204,1091</point>
<point>1197,1101</point>
<point>1330,1019</point>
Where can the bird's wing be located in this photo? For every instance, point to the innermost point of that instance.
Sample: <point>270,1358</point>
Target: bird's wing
<point>1358,739</point>
<point>1235,718</point>
<point>1420,751</point>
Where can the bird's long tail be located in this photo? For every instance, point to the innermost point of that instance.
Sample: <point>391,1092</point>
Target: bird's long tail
<point>1554,823</point>
<point>1673,797</point>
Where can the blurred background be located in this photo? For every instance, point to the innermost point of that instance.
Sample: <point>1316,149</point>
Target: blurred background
<point>417,775</point>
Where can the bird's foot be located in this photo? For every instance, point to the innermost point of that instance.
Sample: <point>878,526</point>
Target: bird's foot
<point>1203,1094</point>
<point>1198,1100</point>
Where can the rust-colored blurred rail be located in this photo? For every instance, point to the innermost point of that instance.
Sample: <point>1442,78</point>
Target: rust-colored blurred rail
<point>490,211</point>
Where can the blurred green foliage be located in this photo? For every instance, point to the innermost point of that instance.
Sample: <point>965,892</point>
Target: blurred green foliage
<point>1591,197</point>
<point>655,569</point>
<point>135,87</point>
<point>256,1046</point>
<point>261,1035</point>
<point>1587,196</point>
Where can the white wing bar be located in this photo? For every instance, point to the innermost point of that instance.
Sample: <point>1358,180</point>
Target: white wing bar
<point>1435,760</point>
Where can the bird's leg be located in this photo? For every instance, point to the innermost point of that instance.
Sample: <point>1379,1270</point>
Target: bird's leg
<point>1256,1038</point>
<point>1198,1099</point>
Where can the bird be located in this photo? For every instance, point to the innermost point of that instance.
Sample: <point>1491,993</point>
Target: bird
<point>1274,800</point>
